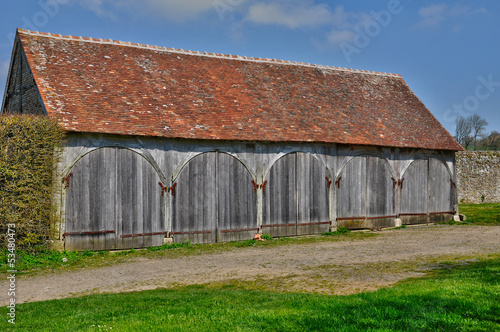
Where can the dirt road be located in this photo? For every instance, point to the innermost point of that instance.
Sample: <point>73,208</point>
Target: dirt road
<point>342,267</point>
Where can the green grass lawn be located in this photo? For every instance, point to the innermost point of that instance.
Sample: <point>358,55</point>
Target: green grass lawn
<point>454,298</point>
<point>481,214</point>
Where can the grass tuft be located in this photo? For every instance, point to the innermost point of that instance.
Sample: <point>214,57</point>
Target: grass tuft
<point>339,231</point>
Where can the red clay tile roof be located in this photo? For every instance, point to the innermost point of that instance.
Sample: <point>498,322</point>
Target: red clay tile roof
<point>105,86</point>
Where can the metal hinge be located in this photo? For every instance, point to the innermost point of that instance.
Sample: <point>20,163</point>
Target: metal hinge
<point>66,179</point>
<point>257,186</point>
<point>167,189</point>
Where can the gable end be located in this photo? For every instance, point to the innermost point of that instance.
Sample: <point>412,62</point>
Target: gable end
<point>21,92</point>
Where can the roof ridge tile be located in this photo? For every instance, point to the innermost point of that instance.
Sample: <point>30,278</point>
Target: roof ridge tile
<point>207,54</point>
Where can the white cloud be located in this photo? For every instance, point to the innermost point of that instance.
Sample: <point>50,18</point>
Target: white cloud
<point>292,14</point>
<point>177,10</point>
<point>305,13</point>
<point>434,15</point>
<point>336,37</point>
<point>98,8</point>
<point>344,23</point>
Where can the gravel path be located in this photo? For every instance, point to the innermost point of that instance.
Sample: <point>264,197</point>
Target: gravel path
<point>342,267</point>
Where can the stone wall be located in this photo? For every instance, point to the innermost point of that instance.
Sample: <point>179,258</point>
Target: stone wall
<point>478,176</point>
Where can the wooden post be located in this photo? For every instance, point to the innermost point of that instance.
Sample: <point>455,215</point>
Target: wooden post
<point>260,178</point>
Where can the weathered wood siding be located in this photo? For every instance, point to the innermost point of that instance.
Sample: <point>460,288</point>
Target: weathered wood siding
<point>312,195</point>
<point>296,197</point>
<point>214,201</point>
<point>195,201</point>
<point>380,193</point>
<point>351,190</point>
<point>280,198</point>
<point>414,198</point>
<point>439,191</point>
<point>237,200</point>
<point>140,207</point>
<point>91,202</point>
<point>426,194</point>
<point>365,197</point>
<point>113,202</point>
<point>225,191</point>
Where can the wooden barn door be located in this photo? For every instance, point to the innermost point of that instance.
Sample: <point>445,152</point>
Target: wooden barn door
<point>280,198</point>
<point>380,193</point>
<point>140,208</point>
<point>296,197</point>
<point>351,194</point>
<point>312,195</point>
<point>426,193</point>
<point>214,201</point>
<point>237,200</point>
<point>414,200</point>
<point>440,192</point>
<point>194,213</point>
<point>91,202</point>
<point>365,194</point>
<point>113,201</point>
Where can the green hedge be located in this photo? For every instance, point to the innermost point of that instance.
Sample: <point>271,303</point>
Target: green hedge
<point>29,153</point>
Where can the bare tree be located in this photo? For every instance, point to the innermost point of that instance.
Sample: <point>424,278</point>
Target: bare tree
<point>478,126</point>
<point>463,131</point>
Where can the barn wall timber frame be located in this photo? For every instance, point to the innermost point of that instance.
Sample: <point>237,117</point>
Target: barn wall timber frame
<point>226,190</point>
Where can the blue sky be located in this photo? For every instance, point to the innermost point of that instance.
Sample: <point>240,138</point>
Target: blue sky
<point>448,52</point>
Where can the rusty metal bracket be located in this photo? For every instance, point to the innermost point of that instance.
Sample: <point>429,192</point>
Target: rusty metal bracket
<point>338,182</point>
<point>255,186</point>
<point>263,186</point>
<point>66,179</point>
<point>169,189</point>
<point>328,181</point>
<point>163,188</point>
<point>172,189</point>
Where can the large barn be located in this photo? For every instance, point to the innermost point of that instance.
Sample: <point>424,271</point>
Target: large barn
<point>167,143</point>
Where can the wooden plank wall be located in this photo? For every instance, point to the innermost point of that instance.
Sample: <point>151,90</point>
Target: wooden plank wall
<point>237,200</point>
<point>312,195</point>
<point>440,192</point>
<point>352,194</point>
<point>140,205</point>
<point>427,193</point>
<point>91,204</point>
<point>194,203</point>
<point>296,198</point>
<point>112,202</point>
<point>414,198</point>
<point>114,199</point>
<point>280,198</point>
